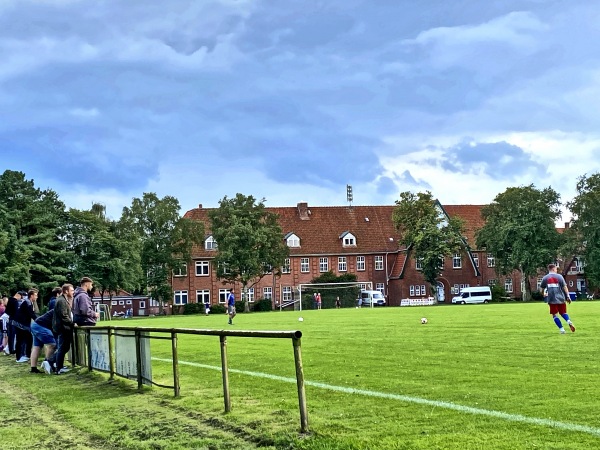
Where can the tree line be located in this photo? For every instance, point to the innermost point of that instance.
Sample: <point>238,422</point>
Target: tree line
<point>519,231</point>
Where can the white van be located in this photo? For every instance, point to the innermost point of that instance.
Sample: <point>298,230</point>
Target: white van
<point>368,298</point>
<point>477,294</point>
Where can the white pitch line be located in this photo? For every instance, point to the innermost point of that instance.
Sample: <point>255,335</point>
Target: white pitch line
<point>405,398</point>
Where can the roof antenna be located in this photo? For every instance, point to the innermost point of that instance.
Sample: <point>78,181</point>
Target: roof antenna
<point>349,194</point>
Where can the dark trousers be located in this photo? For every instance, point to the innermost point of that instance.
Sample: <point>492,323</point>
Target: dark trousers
<point>11,339</point>
<point>62,348</point>
<point>24,343</point>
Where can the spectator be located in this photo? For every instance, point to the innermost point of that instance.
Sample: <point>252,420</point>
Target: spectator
<point>62,326</point>
<point>55,293</point>
<point>83,308</point>
<point>12,305</point>
<point>4,324</point>
<point>23,319</point>
<point>41,329</point>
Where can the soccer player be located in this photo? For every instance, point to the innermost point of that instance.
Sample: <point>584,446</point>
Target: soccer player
<point>557,297</point>
<point>231,306</point>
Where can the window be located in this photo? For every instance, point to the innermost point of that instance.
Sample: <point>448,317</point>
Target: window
<point>128,302</point>
<point>455,289</point>
<point>224,268</point>
<point>223,293</point>
<point>153,302</point>
<point>379,263</point>
<point>360,263</point>
<point>462,286</point>
<point>210,243</point>
<point>476,259</point>
<point>287,294</point>
<point>348,240</point>
<point>293,240</point>
<point>508,285</point>
<point>492,282</point>
<point>286,266</point>
<point>363,286</point>
<point>491,261</point>
<point>380,287</point>
<point>423,290</point>
<point>456,261</point>
<point>142,304</point>
<point>180,297</point>
<point>202,268</point>
<point>121,302</point>
<point>441,262</point>
<point>412,290</point>
<point>323,264</point>
<point>250,294</point>
<point>342,265</point>
<point>268,292</point>
<point>419,264</point>
<point>113,303</point>
<point>203,296</point>
<point>180,271</point>
<point>539,283</point>
<point>416,290</point>
<point>304,265</point>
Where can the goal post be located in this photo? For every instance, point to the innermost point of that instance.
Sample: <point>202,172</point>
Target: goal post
<point>333,289</point>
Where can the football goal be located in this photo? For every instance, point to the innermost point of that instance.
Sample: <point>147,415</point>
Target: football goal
<point>348,292</point>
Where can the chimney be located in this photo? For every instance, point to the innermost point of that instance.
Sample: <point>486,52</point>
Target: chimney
<point>303,211</point>
<point>567,224</point>
<point>200,206</point>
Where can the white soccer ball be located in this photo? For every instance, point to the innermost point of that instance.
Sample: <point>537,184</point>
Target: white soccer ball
<point>300,319</point>
<point>423,320</point>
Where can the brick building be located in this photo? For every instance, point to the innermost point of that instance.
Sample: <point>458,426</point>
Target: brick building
<point>345,239</point>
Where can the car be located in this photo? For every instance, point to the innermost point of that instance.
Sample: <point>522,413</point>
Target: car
<point>368,297</point>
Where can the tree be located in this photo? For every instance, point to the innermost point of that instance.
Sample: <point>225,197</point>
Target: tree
<point>585,226</point>
<point>165,240</point>
<point>32,239</point>
<point>426,230</point>
<point>103,251</point>
<point>520,231</point>
<point>250,241</point>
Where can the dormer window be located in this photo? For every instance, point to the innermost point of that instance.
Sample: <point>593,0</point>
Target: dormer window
<point>348,239</point>
<point>292,240</point>
<point>210,243</point>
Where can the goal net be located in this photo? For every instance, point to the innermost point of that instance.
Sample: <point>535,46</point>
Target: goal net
<point>347,292</point>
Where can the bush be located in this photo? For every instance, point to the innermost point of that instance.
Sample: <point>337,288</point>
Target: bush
<point>498,293</point>
<point>264,304</point>
<point>217,309</point>
<point>239,306</point>
<point>193,308</point>
<point>537,295</point>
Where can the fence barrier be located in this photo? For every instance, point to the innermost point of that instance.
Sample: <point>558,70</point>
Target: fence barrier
<point>110,349</point>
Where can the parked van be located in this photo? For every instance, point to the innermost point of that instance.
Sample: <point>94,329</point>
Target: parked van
<point>375,298</point>
<point>477,294</point>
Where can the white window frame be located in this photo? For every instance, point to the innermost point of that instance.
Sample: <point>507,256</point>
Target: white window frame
<point>457,261</point>
<point>128,302</point>
<point>180,271</point>
<point>491,260</point>
<point>349,240</point>
<point>250,293</point>
<point>419,263</point>
<point>380,287</point>
<point>508,285</point>
<point>142,304</point>
<point>223,294</point>
<point>287,266</point>
<point>342,264</point>
<point>324,264</point>
<point>203,296</point>
<point>121,302</point>
<point>113,303</point>
<point>286,294</point>
<point>476,259</point>
<point>539,282</point>
<point>360,263</point>
<point>305,265</point>
<point>210,243</point>
<point>492,282</point>
<point>180,297</point>
<point>378,262</point>
<point>202,268</point>
<point>293,241</point>
<point>268,292</point>
<point>411,290</point>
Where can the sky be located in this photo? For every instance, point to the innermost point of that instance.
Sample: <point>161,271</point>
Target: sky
<point>291,101</point>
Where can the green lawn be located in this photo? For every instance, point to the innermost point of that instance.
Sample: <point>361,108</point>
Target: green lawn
<point>474,377</point>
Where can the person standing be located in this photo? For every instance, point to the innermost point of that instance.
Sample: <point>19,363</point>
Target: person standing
<point>231,306</point>
<point>83,308</point>
<point>23,320</point>
<point>557,297</point>
<point>319,301</point>
<point>55,293</point>
<point>338,304</point>
<point>62,326</point>
<point>12,305</point>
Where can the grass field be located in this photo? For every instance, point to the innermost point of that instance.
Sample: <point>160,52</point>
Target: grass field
<point>475,377</point>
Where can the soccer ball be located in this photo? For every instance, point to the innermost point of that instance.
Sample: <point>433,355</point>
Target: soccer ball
<point>300,319</point>
<point>424,320</point>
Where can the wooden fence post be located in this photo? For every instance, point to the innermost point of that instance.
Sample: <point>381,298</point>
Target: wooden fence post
<point>175,363</point>
<point>300,384</point>
<point>225,373</point>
